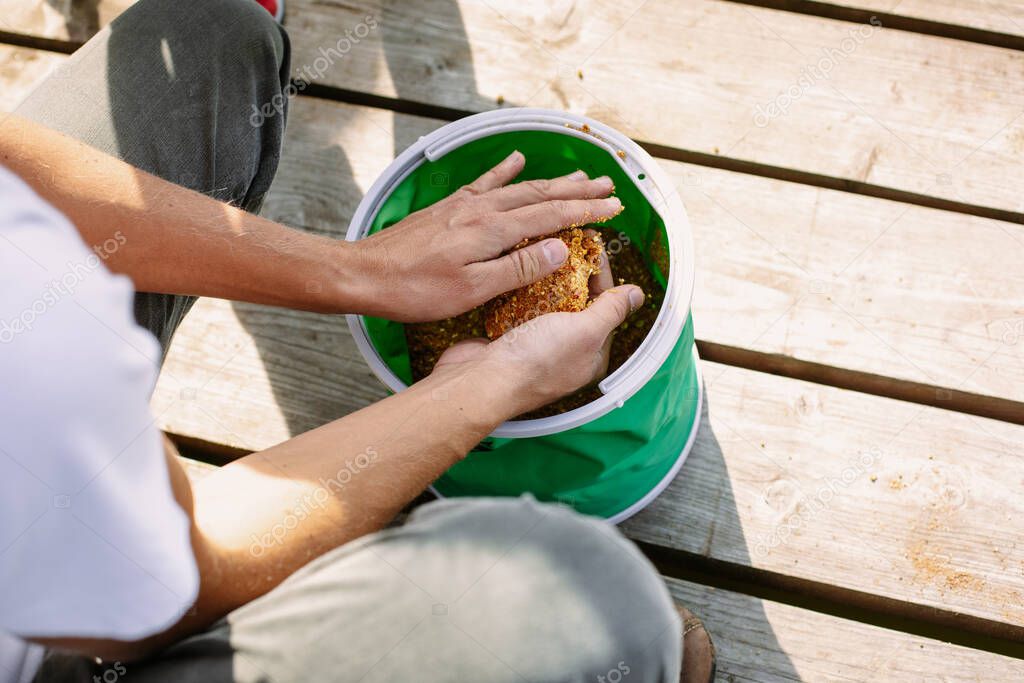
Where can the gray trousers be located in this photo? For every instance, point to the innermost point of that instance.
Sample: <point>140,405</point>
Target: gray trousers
<point>481,590</point>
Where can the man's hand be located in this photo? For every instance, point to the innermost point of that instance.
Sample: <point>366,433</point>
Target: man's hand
<point>436,263</point>
<point>553,354</point>
<point>454,255</point>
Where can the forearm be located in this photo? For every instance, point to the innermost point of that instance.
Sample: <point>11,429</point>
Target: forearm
<point>169,239</point>
<point>264,516</point>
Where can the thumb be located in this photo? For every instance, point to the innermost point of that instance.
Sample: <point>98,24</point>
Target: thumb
<point>525,266</point>
<point>465,350</point>
<point>614,305</point>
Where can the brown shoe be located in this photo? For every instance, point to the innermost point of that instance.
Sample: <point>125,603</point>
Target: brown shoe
<point>699,658</point>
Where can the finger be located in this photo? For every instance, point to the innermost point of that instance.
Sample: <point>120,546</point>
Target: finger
<point>613,306</point>
<point>602,279</point>
<point>550,217</point>
<point>502,174</point>
<point>536,191</point>
<point>520,267</point>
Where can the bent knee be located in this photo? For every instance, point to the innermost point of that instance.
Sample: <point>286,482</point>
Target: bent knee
<point>237,30</point>
<point>483,589</point>
<point>562,581</point>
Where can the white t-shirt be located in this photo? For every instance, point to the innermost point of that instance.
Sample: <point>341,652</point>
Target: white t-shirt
<point>92,542</point>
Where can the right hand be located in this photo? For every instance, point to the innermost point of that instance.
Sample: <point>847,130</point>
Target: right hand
<point>457,254</point>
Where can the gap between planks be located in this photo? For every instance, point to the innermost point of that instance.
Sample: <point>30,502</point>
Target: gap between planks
<point>891,20</point>
<point>955,400</point>
<point>58,45</point>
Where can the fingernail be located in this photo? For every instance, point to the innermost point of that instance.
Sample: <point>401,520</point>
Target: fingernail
<point>611,205</point>
<point>636,298</point>
<point>555,251</point>
<point>577,175</point>
<point>604,180</point>
<point>514,156</point>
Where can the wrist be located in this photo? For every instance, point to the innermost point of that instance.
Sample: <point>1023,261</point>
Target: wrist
<point>483,391</point>
<point>343,279</point>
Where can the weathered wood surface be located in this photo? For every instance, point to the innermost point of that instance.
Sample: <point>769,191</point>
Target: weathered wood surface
<point>79,20</point>
<point>71,20</point>
<point>898,109</point>
<point>822,275</point>
<point>20,70</point>
<point>248,376</point>
<point>854,491</point>
<point>761,641</point>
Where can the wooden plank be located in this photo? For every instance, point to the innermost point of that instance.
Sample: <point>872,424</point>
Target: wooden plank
<point>857,282</point>
<point>79,21</point>
<point>63,20</point>
<point>766,642</point>
<point>20,69</point>
<point>913,112</point>
<point>853,491</point>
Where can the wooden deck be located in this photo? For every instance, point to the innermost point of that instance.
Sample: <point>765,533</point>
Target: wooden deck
<point>859,303</point>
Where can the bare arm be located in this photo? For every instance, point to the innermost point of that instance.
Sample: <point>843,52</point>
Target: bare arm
<point>172,239</point>
<point>436,263</point>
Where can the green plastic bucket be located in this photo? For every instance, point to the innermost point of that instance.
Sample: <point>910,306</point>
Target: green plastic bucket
<point>614,455</point>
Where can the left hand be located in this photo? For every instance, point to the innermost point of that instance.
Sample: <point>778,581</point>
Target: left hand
<point>455,255</point>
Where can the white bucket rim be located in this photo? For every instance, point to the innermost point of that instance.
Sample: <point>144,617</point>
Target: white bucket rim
<point>657,187</point>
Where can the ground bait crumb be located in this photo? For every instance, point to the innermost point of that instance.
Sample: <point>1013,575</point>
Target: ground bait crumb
<point>427,341</point>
